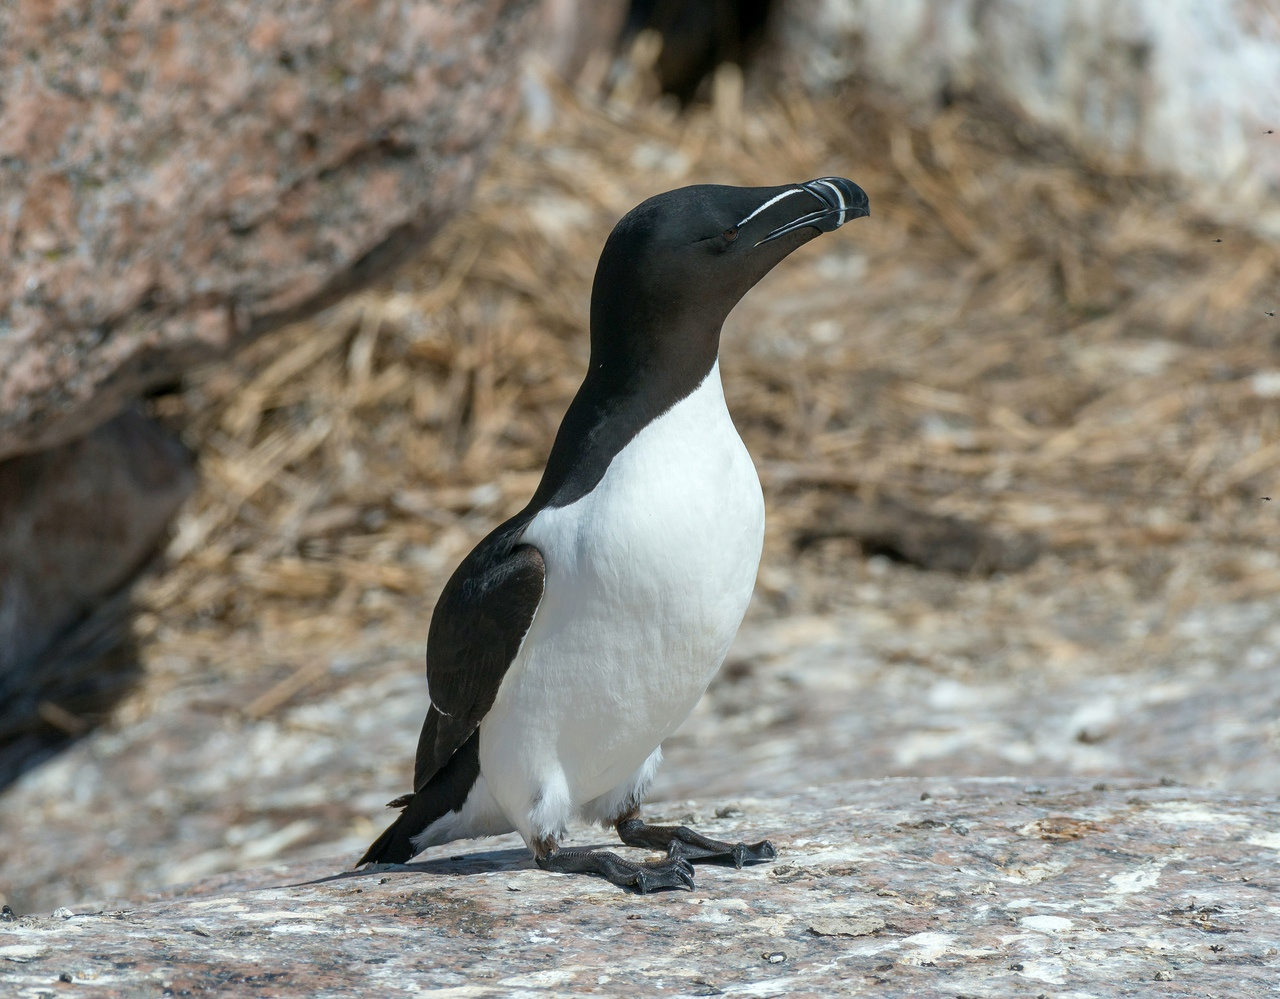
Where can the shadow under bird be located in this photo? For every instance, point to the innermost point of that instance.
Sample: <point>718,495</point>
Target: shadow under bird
<point>580,633</point>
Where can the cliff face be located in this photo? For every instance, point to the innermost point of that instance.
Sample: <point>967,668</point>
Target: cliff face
<point>918,887</point>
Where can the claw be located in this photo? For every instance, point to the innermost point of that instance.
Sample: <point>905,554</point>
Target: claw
<point>681,872</point>
<point>671,873</point>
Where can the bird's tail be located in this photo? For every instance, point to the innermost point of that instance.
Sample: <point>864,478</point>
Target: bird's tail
<point>395,845</point>
<point>445,792</point>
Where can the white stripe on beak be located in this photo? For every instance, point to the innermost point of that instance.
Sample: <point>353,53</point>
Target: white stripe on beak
<point>773,201</point>
<point>839,198</point>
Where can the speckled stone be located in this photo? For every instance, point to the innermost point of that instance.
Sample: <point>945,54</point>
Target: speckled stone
<point>975,887</point>
<point>177,175</point>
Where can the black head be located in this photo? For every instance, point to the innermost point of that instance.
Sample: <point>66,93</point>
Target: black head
<point>670,273</point>
<point>677,264</point>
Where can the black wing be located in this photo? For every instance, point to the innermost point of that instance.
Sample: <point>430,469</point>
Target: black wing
<point>479,622</point>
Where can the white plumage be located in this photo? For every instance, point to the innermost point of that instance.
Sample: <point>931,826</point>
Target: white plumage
<point>647,579</point>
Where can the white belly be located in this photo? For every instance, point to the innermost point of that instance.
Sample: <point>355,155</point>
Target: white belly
<point>648,577</point>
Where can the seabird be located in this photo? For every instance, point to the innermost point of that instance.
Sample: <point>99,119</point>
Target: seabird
<point>580,633</point>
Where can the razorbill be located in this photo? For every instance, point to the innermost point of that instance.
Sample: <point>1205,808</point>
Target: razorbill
<point>580,633</point>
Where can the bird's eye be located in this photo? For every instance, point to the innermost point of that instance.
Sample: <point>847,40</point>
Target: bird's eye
<point>730,234</point>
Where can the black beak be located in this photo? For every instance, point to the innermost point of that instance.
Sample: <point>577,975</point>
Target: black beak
<point>839,201</point>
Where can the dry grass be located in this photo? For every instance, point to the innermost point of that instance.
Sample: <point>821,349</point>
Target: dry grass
<point>1013,337</point>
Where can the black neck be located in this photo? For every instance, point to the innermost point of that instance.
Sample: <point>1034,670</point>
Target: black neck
<point>638,371</point>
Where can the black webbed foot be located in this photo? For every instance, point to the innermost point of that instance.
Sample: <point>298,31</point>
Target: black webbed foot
<point>685,844</point>
<point>674,872</point>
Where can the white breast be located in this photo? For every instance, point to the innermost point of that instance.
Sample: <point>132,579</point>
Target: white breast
<point>648,577</point>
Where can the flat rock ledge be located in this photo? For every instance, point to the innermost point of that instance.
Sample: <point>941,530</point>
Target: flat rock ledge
<point>974,887</point>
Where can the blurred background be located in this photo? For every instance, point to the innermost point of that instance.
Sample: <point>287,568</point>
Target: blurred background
<point>293,297</point>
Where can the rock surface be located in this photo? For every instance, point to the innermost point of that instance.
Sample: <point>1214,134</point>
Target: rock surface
<point>1189,88</point>
<point>178,175</point>
<point>234,769</point>
<point>910,887</point>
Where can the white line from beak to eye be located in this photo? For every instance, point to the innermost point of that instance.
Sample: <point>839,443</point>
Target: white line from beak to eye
<point>773,201</point>
<point>839,198</point>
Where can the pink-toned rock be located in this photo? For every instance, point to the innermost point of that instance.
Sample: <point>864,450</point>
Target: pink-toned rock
<point>178,175</point>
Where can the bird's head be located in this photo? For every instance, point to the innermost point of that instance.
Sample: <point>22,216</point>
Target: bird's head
<point>676,265</point>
